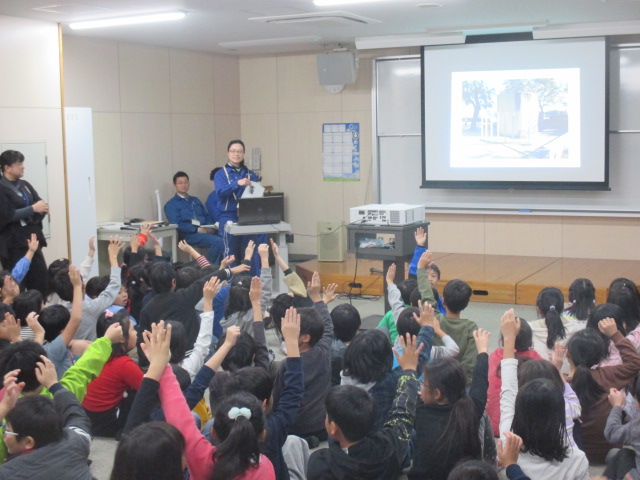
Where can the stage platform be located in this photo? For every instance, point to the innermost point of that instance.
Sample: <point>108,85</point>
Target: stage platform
<point>493,278</point>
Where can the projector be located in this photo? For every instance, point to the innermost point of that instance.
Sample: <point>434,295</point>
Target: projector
<point>389,214</point>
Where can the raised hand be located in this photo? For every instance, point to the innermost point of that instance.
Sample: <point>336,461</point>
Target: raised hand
<point>425,260</point>
<point>240,268</point>
<point>255,291</point>
<point>156,346</point>
<point>46,372</point>
<point>74,276</point>
<point>115,244</point>
<point>184,246</point>
<point>420,236</point>
<point>481,337</point>
<point>248,252</point>
<point>408,359</point>
<point>329,293</point>
<point>427,316</point>
<point>391,274</point>
<point>232,335</point>
<point>509,324</point>
<point>226,261</point>
<point>274,248</point>
<point>92,246</point>
<point>608,327</point>
<point>13,389</point>
<point>314,287</point>
<point>211,289</point>
<point>617,398</point>
<point>114,333</point>
<point>33,243</point>
<point>509,450</point>
<point>10,328</point>
<point>34,325</point>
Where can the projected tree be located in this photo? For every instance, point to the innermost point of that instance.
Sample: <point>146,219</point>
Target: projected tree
<point>548,91</point>
<point>479,95</point>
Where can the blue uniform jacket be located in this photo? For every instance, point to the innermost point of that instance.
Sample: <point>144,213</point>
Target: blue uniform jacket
<point>182,211</point>
<point>228,189</point>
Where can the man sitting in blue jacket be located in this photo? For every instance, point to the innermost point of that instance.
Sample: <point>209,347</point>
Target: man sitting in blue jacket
<point>189,214</point>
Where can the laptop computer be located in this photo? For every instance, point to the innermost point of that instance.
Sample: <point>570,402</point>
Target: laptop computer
<point>261,210</point>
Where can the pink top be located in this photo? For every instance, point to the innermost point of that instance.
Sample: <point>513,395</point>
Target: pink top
<point>198,450</point>
<point>495,385</point>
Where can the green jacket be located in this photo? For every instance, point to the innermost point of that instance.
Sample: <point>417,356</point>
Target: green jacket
<point>460,329</point>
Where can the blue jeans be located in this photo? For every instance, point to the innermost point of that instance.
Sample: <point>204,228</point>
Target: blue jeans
<point>214,242</point>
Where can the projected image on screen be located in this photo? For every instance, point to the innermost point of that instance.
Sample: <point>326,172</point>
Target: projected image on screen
<point>515,119</point>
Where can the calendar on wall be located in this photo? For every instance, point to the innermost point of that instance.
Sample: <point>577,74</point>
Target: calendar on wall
<point>341,151</point>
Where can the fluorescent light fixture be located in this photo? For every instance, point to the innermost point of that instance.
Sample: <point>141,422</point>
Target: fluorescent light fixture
<point>270,42</point>
<point>130,20</point>
<point>409,40</point>
<point>328,3</point>
<point>490,28</point>
<point>571,30</point>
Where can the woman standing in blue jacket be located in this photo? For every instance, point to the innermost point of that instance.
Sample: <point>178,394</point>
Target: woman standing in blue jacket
<point>229,183</point>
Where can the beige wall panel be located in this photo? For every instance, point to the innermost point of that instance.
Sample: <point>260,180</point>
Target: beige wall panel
<point>107,151</point>
<point>227,128</point>
<point>457,233</point>
<point>43,125</point>
<point>358,95</point>
<point>146,156</point>
<point>91,74</point>
<point>191,82</point>
<point>193,151</point>
<point>309,198</point>
<point>258,85</point>
<point>359,193</point>
<point>226,84</point>
<point>531,236</point>
<point>144,78</point>
<point>299,89</point>
<point>600,237</point>
<point>262,131</point>
<point>30,63</point>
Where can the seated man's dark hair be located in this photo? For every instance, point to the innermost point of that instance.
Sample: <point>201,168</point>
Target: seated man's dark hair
<point>54,320</point>
<point>241,354</point>
<point>457,294</point>
<point>406,323</point>
<point>346,322</point>
<point>162,276</point>
<point>368,358</point>
<point>311,324</point>
<point>36,416</point>
<point>352,409</point>
<point>179,174</point>
<point>61,285</point>
<point>23,356</point>
<point>25,303</point>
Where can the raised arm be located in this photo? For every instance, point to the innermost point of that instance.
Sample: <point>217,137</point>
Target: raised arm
<point>262,354</point>
<point>315,292</point>
<point>421,242</point>
<point>426,292</point>
<point>509,326</point>
<point>395,299</point>
<point>76,307</point>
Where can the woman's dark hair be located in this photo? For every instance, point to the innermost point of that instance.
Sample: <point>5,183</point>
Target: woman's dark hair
<point>368,358</point>
<point>524,339</point>
<point>539,419</point>
<point>447,375</point>
<point>624,293</point>
<point>534,369</point>
<point>406,323</point>
<point>178,344</point>
<point>585,349</point>
<point>238,300</point>
<point>36,416</point>
<point>582,295</point>
<point>152,450</point>
<point>105,320</point>
<point>25,303</point>
<point>232,142</point>
<point>8,158</point>
<point>550,302</point>
<point>239,449</point>
<point>473,470</point>
<point>602,311</point>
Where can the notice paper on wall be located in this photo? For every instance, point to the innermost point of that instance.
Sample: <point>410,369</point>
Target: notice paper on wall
<point>341,151</point>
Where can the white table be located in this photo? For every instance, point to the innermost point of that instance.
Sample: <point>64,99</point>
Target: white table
<point>104,234</point>
<point>281,229</point>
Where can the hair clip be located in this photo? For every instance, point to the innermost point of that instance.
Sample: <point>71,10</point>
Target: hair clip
<point>552,307</point>
<point>108,314</point>
<point>236,412</point>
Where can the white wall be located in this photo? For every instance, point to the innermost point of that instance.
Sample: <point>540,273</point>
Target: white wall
<point>30,108</point>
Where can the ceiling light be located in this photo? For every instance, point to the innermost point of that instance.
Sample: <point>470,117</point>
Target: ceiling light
<point>628,27</point>
<point>408,40</point>
<point>130,20</point>
<point>270,42</point>
<point>326,3</point>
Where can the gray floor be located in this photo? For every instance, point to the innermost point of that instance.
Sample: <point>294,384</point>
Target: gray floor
<point>486,315</point>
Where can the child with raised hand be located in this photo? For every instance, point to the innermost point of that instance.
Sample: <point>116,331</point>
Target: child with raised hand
<point>524,350</point>
<point>20,270</point>
<point>105,402</point>
<point>625,464</point>
<point>357,451</point>
<point>9,288</point>
<point>35,422</point>
<point>457,294</point>
<point>536,413</point>
<point>592,383</point>
<point>239,420</point>
<point>447,423</point>
<point>9,328</point>
<point>316,334</point>
<point>399,299</point>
